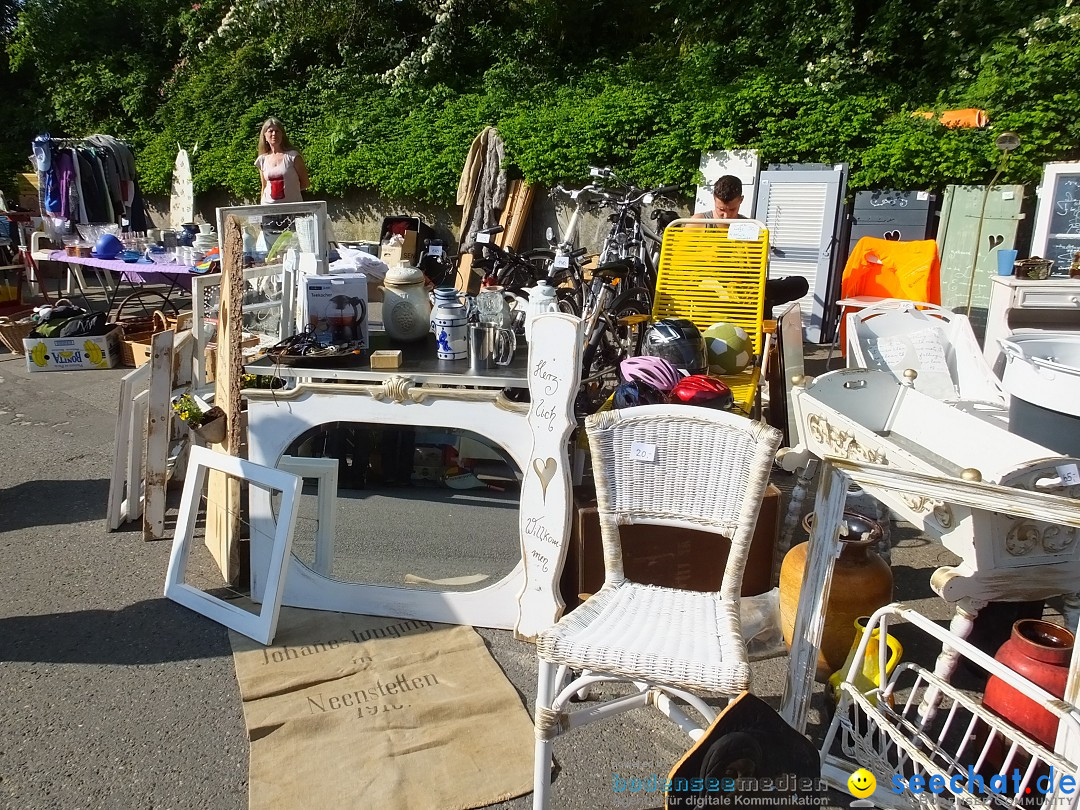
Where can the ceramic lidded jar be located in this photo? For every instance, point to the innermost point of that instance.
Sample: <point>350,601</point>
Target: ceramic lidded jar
<point>406,308</point>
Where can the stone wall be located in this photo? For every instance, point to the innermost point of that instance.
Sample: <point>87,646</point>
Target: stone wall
<point>358,217</point>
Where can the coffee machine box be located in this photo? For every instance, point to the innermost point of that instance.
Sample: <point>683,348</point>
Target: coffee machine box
<point>335,308</point>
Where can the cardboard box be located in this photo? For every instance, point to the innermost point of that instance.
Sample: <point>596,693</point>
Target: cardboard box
<point>394,255</point>
<point>669,557</point>
<point>335,307</point>
<point>71,353</point>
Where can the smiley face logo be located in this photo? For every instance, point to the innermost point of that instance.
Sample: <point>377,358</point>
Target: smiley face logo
<point>861,783</point>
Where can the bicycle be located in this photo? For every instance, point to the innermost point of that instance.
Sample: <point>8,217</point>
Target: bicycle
<point>629,239</point>
<point>629,242</point>
<point>614,328</point>
<point>437,266</point>
<point>517,272</point>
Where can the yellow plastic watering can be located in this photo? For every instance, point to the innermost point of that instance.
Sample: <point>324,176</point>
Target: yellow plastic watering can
<point>867,678</point>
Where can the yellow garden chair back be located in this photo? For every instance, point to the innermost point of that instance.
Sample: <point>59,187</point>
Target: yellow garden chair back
<point>714,270</point>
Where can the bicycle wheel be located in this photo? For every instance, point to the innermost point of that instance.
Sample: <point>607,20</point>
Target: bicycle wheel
<point>568,301</point>
<point>631,329</point>
<point>613,341</point>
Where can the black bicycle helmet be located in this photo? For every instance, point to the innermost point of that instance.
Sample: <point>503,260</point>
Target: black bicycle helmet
<point>677,340</point>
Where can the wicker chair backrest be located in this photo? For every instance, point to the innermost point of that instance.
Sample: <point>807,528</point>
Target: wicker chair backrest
<point>676,465</point>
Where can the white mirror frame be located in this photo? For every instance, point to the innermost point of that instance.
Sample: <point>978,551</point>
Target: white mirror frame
<point>259,626</point>
<point>325,472</point>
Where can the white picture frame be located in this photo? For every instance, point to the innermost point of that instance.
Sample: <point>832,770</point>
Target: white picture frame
<point>261,626</point>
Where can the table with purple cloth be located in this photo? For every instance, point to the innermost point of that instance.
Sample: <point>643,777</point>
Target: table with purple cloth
<point>140,272</point>
<point>136,274</point>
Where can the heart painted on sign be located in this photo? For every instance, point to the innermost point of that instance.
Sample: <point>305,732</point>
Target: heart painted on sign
<point>892,236</point>
<point>546,470</point>
<point>995,241</point>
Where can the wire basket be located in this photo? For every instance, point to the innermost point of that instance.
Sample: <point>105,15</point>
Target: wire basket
<point>14,328</point>
<point>919,725</point>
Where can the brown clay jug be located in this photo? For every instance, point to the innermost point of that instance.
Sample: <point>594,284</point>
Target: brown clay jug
<point>862,582</point>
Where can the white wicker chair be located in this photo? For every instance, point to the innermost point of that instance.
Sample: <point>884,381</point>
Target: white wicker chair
<point>665,465</point>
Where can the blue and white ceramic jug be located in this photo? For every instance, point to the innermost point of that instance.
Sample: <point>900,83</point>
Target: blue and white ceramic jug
<point>449,322</point>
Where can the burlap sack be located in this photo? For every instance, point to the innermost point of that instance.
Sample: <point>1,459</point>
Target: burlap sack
<point>355,711</point>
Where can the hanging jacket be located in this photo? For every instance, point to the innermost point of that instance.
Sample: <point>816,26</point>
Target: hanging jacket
<point>69,184</point>
<point>91,192</point>
<point>102,185</point>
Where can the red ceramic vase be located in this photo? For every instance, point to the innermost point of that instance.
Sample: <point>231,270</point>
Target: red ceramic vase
<point>1039,651</point>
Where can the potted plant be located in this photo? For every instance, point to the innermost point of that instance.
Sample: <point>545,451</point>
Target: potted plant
<point>208,422</point>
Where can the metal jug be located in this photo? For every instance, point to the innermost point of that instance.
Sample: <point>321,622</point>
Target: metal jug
<point>490,346</point>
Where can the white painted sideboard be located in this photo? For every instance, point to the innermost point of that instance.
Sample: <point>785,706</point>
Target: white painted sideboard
<point>1056,296</point>
<point>536,435</point>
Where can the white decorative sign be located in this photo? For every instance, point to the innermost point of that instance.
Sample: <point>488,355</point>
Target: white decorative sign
<point>744,231</point>
<point>554,376</point>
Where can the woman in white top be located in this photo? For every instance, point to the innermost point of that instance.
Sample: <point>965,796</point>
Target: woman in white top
<point>282,173</point>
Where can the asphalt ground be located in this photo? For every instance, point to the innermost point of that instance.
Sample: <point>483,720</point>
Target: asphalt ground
<point>114,697</point>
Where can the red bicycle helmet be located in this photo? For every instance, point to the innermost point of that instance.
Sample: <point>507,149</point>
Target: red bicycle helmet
<point>703,391</point>
<point>658,372</point>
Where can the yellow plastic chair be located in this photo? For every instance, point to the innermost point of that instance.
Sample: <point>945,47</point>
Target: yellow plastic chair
<point>714,270</point>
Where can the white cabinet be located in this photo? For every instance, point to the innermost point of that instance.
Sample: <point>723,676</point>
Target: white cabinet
<point>1016,303</point>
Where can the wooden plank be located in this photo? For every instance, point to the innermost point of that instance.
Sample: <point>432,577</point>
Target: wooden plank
<point>1041,506</point>
<point>544,522</point>
<point>515,213</point>
<point>223,492</point>
<point>132,507</point>
<point>159,423</point>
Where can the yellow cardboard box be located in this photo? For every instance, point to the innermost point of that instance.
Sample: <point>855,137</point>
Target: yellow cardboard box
<point>71,353</point>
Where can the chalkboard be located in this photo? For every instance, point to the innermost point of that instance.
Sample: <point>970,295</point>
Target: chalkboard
<point>1065,216</point>
<point>1061,250</point>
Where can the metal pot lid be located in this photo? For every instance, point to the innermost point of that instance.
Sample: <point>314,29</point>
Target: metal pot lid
<point>404,274</point>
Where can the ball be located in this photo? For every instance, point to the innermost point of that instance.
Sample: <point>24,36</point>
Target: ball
<point>729,348</point>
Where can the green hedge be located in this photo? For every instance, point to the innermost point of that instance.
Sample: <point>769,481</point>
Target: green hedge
<point>414,144</point>
<point>647,101</point>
